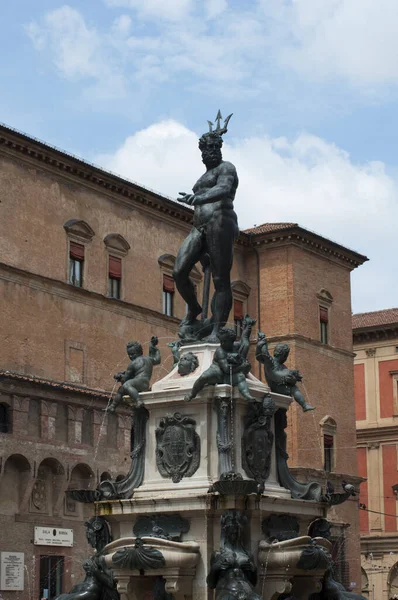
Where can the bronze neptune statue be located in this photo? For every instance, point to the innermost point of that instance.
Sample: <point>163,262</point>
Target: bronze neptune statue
<point>215,228</point>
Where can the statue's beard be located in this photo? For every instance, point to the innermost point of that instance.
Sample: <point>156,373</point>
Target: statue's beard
<point>211,158</point>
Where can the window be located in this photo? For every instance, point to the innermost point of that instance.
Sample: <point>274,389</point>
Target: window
<point>328,452</point>
<point>51,575</point>
<point>87,428</point>
<point>324,324</point>
<point>168,295</point>
<point>238,317</point>
<point>5,418</point>
<point>114,277</point>
<point>76,262</point>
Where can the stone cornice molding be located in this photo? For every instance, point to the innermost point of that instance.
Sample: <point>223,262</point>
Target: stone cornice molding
<point>384,542</point>
<point>116,243</point>
<point>375,435</point>
<point>374,334</point>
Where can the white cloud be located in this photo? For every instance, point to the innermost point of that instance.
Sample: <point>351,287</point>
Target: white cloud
<point>305,180</point>
<point>75,47</point>
<point>214,8</point>
<point>121,25</point>
<point>78,51</point>
<point>352,39</point>
<point>172,10</point>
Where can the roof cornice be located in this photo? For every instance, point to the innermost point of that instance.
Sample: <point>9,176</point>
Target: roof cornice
<point>298,236</point>
<point>375,334</point>
<point>16,143</point>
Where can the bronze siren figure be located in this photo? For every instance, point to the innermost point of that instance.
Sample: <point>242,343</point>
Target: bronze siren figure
<point>211,240</point>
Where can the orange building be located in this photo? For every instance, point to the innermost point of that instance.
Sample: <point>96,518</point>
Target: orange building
<point>375,337</point>
<point>86,265</point>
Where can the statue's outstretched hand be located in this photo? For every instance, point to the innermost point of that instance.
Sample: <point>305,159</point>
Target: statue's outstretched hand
<point>154,340</point>
<point>261,337</point>
<point>186,198</point>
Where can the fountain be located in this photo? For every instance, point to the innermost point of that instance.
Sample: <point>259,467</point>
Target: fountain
<point>209,502</point>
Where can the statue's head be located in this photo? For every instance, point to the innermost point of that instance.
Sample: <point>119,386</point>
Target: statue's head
<point>226,334</point>
<point>232,523</point>
<point>210,146</point>
<point>188,363</point>
<point>134,349</point>
<point>97,533</point>
<point>281,352</point>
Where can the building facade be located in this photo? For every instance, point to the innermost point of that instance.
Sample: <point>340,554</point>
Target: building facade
<point>375,337</point>
<point>86,265</point>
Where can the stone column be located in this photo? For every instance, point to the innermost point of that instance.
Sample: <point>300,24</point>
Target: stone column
<point>375,467</point>
<point>124,589</point>
<point>20,415</point>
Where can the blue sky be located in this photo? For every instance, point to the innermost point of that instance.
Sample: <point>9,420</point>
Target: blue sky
<point>312,84</point>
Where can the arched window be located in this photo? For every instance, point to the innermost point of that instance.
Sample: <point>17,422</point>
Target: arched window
<point>328,428</point>
<point>5,418</point>
<point>325,300</point>
<point>79,235</point>
<point>117,248</point>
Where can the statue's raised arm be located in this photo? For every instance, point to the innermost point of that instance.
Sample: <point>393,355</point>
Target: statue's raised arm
<point>154,352</point>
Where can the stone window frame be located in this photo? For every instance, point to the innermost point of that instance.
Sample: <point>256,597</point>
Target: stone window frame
<point>80,232</point>
<point>71,345</point>
<point>325,300</point>
<point>328,426</point>
<point>241,292</point>
<point>117,246</point>
<point>394,378</point>
<point>166,266</point>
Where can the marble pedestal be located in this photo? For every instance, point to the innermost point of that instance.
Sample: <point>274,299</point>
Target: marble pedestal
<point>193,497</point>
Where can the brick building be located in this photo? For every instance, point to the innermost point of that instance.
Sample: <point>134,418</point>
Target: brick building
<point>86,265</point>
<point>375,337</point>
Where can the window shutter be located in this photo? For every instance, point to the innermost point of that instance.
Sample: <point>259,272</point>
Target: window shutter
<point>76,251</point>
<point>238,310</point>
<point>328,441</point>
<point>168,284</point>
<point>323,314</point>
<point>115,267</point>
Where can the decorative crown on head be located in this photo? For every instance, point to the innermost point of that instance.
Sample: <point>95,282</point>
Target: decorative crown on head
<point>217,133</point>
<point>220,130</point>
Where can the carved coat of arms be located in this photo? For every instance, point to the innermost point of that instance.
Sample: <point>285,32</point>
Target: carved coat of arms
<point>177,447</point>
<point>257,440</point>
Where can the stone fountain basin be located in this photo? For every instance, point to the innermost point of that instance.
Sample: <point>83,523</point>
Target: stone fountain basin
<point>278,556</point>
<point>176,554</point>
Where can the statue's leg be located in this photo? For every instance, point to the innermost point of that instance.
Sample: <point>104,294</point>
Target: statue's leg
<point>243,388</point>
<point>116,400</point>
<point>130,389</point>
<point>188,255</point>
<point>220,237</point>
<point>211,376</point>
<point>299,398</point>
